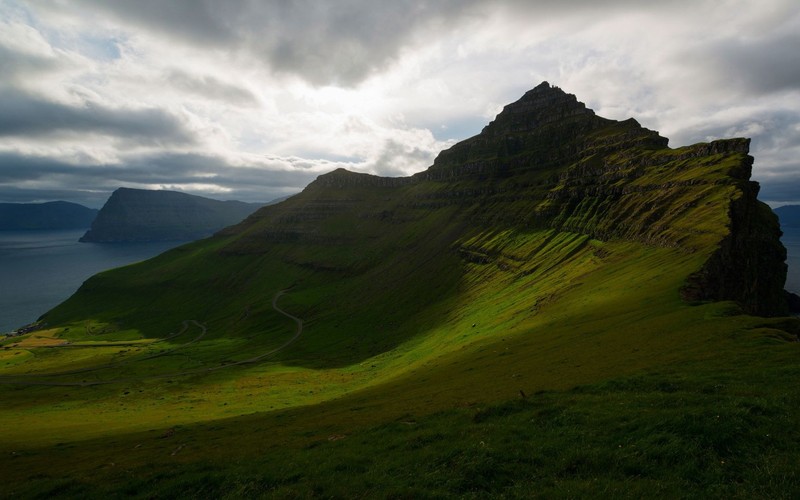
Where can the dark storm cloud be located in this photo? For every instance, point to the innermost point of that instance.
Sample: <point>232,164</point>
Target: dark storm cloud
<point>786,189</point>
<point>91,199</point>
<point>770,129</point>
<point>775,143</point>
<point>23,115</point>
<point>17,168</point>
<point>25,178</point>
<point>171,168</point>
<point>16,64</point>
<point>335,42</point>
<point>324,42</point>
<point>762,65</point>
<point>211,88</point>
<point>164,168</point>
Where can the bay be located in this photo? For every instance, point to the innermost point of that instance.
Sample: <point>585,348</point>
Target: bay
<point>40,269</point>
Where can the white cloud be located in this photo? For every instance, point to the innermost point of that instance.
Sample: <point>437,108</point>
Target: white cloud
<point>267,89</point>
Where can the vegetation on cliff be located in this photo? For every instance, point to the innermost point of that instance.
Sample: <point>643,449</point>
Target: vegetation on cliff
<point>561,305</point>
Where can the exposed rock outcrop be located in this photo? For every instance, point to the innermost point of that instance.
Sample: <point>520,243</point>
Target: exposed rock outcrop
<point>749,265</point>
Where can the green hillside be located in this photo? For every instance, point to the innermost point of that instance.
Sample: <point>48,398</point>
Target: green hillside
<point>559,306</point>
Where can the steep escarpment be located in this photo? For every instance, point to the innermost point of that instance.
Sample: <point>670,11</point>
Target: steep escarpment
<point>749,265</point>
<point>132,215</point>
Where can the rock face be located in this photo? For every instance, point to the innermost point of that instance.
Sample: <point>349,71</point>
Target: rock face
<point>548,163</point>
<point>136,215</point>
<point>51,215</point>
<point>545,129</point>
<point>750,264</point>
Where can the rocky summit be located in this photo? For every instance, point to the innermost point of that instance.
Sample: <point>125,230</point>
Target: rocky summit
<point>548,163</point>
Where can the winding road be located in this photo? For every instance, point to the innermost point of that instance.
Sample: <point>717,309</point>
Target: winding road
<point>25,380</point>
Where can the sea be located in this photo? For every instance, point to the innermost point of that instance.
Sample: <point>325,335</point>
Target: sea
<point>40,269</point>
<point>791,240</point>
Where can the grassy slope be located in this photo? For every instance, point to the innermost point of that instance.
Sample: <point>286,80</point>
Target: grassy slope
<point>684,397</point>
<point>418,340</point>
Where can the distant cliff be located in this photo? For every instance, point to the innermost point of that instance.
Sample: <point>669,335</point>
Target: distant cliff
<point>134,215</point>
<point>51,215</point>
<point>789,215</point>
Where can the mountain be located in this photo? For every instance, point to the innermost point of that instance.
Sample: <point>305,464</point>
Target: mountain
<point>789,215</point>
<point>548,164</point>
<point>561,304</point>
<point>132,215</point>
<point>50,215</point>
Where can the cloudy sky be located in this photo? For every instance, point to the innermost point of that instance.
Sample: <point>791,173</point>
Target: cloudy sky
<point>251,100</point>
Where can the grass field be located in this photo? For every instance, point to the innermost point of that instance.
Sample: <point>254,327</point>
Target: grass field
<point>684,398</point>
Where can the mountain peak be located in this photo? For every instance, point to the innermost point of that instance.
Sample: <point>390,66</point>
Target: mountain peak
<point>341,177</point>
<point>544,89</point>
<point>542,105</point>
<point>546,126</point>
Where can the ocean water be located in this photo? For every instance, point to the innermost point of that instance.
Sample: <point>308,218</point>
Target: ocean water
<point>791,240</point>
<point>40,269</point>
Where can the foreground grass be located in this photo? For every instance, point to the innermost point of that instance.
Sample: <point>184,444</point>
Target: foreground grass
<point>704,406</point>
<point>694,431</point>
